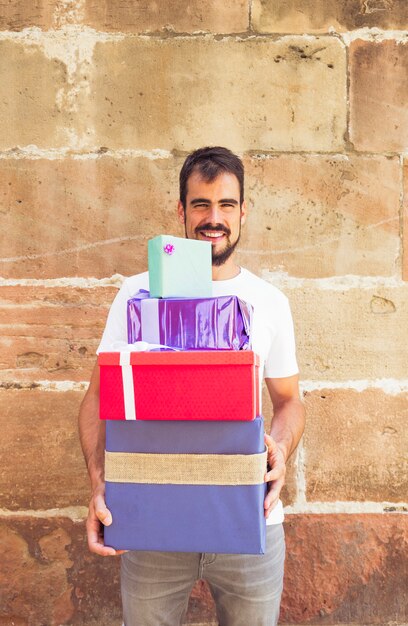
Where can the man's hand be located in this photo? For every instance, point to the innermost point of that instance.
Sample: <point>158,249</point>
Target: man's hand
<point>276,475</point>
<point>99,516</point>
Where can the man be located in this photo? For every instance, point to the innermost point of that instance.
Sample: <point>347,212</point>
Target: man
<point>246,588</point>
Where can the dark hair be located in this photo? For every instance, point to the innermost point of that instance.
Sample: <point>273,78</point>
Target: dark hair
<point>210,163</point>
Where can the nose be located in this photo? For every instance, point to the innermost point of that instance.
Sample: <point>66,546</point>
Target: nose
<point>214,214</point>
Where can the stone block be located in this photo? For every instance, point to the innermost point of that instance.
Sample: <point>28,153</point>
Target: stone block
<point>51,333</point>
<point>319,16</point>
<point>345,569</point>
<point>316,215</point>
<point>312,216</point>
<point>29,88</point>
<point>21,14</point>
<point>249,94</point>
<point>43,466</point>
<point>350,334</point>
<point>50,577</point>
<point>180,16</point>
<point>107,209</point>
<point>405,225</point>
<point>355,445</point>
<point>378,88</point>
<point>339,569</point>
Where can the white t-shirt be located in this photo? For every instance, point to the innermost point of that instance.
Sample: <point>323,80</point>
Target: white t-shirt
<point>272,333</point>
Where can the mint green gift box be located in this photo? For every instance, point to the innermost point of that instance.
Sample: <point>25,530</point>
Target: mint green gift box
<point>179,267</point>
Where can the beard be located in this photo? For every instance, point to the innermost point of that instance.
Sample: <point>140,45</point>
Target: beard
<point>219,258</point>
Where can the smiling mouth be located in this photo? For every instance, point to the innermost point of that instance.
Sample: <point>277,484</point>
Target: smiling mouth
<point>212,234</point>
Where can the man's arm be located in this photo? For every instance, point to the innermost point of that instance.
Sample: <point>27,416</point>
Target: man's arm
<point>288,424</point>
<point>92,437</point>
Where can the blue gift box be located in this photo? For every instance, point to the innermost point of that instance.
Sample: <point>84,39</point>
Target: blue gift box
<point>217,518</point>
<point>179,267</point>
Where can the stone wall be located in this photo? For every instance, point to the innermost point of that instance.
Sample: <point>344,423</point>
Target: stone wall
<point>100,100</point>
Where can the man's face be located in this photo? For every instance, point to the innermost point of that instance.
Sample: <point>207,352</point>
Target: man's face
<point>213,213</point>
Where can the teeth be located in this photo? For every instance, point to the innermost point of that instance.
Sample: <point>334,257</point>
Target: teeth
<point>212,234</point>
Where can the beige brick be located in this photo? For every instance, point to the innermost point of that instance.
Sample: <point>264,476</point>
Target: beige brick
<point>107,208</point>
<point>405,226</point>
<point>178,16</point>
<point>318,16</point>
<point>345,210</point>
<point>21,14</point>
<point>345,569</point>
<point>350,334</point>
<point>43,466</point>
<point>252,94</point>
<point>378,93</point>
<point>320,216</point>
<point>356,445</point>
<point>51,333</point>
<point>28,93</point>
<point>49,577</point>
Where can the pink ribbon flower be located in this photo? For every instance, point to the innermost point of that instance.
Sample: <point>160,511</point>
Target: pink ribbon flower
<point>168,248</point>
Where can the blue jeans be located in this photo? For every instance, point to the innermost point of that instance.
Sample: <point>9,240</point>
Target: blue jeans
<point>246,588</point>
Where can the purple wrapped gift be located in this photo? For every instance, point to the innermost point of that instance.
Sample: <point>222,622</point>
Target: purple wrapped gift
<point>221,323</point>
<point>169,515</point>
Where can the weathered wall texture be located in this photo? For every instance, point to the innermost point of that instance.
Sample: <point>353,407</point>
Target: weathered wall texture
<point>99,103</point>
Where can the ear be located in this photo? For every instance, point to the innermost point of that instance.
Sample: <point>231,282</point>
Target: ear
<point>180,212</point>
<point>244,212</point>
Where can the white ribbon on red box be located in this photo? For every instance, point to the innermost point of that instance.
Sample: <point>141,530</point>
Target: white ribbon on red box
<point>125,350</point>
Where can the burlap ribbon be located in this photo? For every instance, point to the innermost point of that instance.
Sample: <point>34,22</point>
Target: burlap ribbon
<point>185,469</point>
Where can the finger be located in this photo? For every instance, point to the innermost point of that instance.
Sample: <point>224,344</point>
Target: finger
<point>270,444</point>
<point>95,541</point>
<point>274,489</point>
<point>275,474</point>
<point>101,511</point>
<point>100,548</point>
<point>97,547</point>
<point>269,511</point>
<point>271,498</point>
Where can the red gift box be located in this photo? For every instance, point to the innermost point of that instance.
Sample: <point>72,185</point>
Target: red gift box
<point>196,385</point>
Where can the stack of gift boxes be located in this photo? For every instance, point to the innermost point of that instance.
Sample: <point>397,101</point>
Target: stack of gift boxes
<point>185,457</point>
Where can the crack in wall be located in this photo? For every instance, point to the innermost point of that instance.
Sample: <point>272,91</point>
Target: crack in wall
<point>68,12</point>
<point>76,249</point>
<point>345,282</point>
<point>52,154</point>
<point>300,467</point>
<point>372,34</point>
<point>115,280</point>
<point>74,513</point>
<point>390,386</point>
<point>351,507</point>
<point>79,513</point>
<point>279,279</point>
